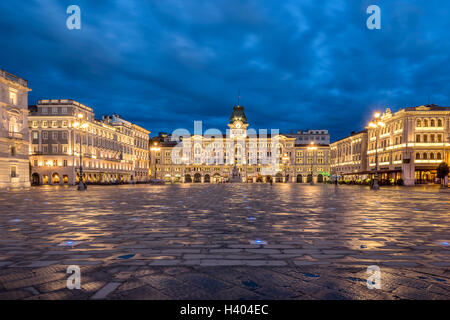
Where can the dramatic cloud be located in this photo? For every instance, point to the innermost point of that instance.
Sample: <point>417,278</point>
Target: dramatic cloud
<point>299,64</point>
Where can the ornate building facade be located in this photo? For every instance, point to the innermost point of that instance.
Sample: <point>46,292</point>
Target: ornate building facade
<point>411,144</point>
<point>241,155</point>
<point>349,157</point>
<point>63,130</point>
<point>14,162</point>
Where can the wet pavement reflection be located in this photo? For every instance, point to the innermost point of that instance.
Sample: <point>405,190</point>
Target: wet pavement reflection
<point>236,225</point>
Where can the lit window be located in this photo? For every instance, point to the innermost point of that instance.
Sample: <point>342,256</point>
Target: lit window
<point>13,171</point>
<point>13,96</point>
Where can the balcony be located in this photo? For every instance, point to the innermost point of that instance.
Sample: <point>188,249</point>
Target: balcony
<point>15,135</point>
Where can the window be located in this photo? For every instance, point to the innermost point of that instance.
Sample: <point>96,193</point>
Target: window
<point>65,149</point>
<point>13,126</point>
<point>433,123</point>
<point>44,110</point>
<point>439,122</point>
<point>54,110</point>
<point>417,155</point>
<point>425,123</point>
<point>54,124</point>
<point>64,110</point>
<point>438,156</point>
<point>65,163</point>
<point>35,124</point>
<point>54,149</point>
<point>64,124</point>
<point>45,124</point>
<point>425,156</point>
<point>13,171</point>
<point>45,149</point>
<point>55,163</point>
<point>35,163</point>
<point>64,135</point>
<point>44,135</point>
<point>55,135</point>
<point>13,151</point>
<point>425,138</point>
<point>13,96</point>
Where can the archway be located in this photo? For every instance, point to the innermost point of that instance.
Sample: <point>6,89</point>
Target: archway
<point>309,178</point>
<point>55,178</point>
<point>177,178</point>
<point>216,178</point>
<point>45,179</point>
<point>279,177</point>
<point>268,178</point>
<point>320,178</point>
<point>197,178</point>
<point>35,179</point>
<point>65,179</point>
<point>187,178</point>
<point>299,178</point>
<point>259,178</point>
<point>167,178</point>
<point>207,178</point>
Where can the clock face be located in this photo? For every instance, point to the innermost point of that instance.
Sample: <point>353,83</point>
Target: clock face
<point>238,125</point>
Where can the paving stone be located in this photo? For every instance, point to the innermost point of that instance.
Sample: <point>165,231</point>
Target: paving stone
<point>203,229</point>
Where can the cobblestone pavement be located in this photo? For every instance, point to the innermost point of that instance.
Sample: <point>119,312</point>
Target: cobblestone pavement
<point>226,241</point>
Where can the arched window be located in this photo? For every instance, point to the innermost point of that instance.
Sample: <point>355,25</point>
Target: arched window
<point>13,126</point>
<point>433,123</point>
<point>439,122</point>
<point>425,156</point>
<point>431,156</point>
<point>425,123</point>
<point>419,123</point>
<point>438,156</point>
<point>417,155</point>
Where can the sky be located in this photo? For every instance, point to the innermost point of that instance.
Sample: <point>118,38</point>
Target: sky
<point>162,64</point>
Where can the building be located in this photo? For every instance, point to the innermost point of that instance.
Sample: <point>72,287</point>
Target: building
<point>349,157</point>
<point>308,136</point>
<point>241,155</point>
<point>411,144</point>
<point>14,163</point>
<point>141,153</point>
<point>63,131</point>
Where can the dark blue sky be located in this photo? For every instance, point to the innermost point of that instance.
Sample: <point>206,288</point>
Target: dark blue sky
<point>165,63</point>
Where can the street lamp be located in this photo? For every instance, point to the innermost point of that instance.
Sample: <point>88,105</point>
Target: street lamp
<point>155,148</point>
<point>81,126</point>
<point>285,162</point>
<point>312,147</point>
<point>376,125</point>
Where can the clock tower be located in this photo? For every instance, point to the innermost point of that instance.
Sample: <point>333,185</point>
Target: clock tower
<point>238,122</point>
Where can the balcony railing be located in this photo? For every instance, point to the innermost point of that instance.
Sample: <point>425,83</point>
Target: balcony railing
<point>14,78</point>
<point>15,135</point>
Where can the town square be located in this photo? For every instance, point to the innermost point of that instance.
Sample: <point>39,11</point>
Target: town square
<point>222,158</point>
<point>224,241</point>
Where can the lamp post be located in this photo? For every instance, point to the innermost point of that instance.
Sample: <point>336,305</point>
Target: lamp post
<point>312,147</point>
<point>155,149</point>
<point>81,126</point>
<point>376,125</point>
<point>285,162</point>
